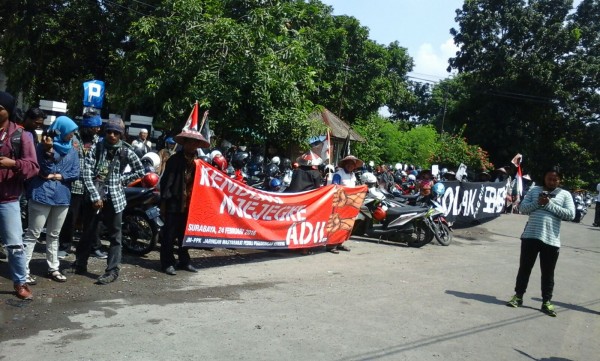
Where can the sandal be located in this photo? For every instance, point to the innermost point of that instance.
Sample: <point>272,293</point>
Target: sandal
<point>30,280</point>
<point>57,276</point>
<point>341,247</point>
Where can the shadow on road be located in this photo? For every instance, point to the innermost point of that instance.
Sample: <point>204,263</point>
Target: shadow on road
<point>570,306</point>
<point>543,359</point>
<point>477,297</point>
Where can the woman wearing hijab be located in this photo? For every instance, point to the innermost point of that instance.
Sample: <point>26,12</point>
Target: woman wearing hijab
<point>49,193</point>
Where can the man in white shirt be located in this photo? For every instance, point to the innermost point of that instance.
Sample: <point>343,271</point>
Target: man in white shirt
<point>346,172</point>
<point>142,145</point>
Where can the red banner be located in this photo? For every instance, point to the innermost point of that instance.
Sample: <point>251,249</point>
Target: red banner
<point>227,213</point>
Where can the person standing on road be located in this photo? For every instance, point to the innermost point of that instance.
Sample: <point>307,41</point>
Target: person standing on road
<point>88,136</point>
<point>597,212</point>
<point>16,166</point>
<point>176,186</point>
<point>103,179</point>
<point>546,206</point>
<point>49,193</point>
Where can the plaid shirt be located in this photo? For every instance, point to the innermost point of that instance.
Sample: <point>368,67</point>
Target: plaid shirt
<point>115,180</point>
<point>77,185</point>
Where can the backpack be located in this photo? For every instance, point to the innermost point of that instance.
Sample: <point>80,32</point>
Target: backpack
<point>123,155</point>
<point>15,142</point>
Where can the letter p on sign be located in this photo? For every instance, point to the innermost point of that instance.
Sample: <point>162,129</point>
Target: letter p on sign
<point>93,93</point>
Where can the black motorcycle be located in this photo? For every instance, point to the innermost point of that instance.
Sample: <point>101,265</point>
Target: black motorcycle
<point>141,220</point>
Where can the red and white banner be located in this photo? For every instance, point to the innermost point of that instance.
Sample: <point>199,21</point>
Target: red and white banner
<point>227,213</point>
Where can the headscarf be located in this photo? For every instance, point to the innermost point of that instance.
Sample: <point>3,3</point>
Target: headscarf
<point>61,127</point>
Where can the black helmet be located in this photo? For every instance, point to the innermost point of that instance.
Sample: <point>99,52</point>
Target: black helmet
<point>258,159</point>
<point>286,164</point>
<point>239,160</point>
<point>206,159</point>
<point>272,170</point>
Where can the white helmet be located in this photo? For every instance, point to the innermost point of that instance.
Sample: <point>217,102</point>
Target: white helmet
<point>214,153</point>
<point>398,166</point>
<point>368,178</point>
<point>275,160</point>
<point>329,168</point>
<point>403,173</point>
<point>153,158</point>
<point>412,178</point>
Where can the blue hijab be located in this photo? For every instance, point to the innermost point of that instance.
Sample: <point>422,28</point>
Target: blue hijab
<point>61,127</point>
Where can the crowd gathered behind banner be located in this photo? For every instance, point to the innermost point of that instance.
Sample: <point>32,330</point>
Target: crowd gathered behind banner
<point>468,201</point>
<point>227,213</point>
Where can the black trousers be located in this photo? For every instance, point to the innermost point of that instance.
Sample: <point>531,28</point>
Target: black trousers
<point>597,214</point>
<point>65,237</point>
<point>113,223</point>
<point>548,256</point>
<point>174,229</point>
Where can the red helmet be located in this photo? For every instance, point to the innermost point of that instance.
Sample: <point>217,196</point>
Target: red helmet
<point>220,162</point>
<point>379,214</point>
<point>150,180</point>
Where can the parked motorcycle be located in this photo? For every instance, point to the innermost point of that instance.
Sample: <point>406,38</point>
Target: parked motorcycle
<point>141,217</point>
<point>580,208</point>
<point>380,218</point>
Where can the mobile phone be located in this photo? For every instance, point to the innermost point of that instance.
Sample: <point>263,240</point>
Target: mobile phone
<point>545,194</point>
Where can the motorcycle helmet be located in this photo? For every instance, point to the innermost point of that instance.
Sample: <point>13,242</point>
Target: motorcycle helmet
<point>215,153</point>
<point>439,189</point>
<point>239,160</point>
<point>272,170</point>
<point>275,184</point>
<point>412,178</point>
<point>230,171</point>
<point>403,174</point>
<point>444,171</point>
<point>379,214</point>
<point>275,160</point>
<point>398,166</point>
<point>329,168</point>
<point>152,159</point>
<point>257,159</point>
<point>206,159</point>
<point>220,162</point>
<point>368,178</point>
<point>286,163</point>
<point>150,180</point>
<point>170,141</point>
<point>309,159</point>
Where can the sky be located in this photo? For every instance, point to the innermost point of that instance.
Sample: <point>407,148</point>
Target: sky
<point>421,26</point>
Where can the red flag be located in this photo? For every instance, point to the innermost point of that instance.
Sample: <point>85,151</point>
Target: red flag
<point>192,121</point>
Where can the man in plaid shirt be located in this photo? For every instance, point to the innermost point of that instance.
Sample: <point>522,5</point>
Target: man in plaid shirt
<point>88,136</point>
<point>103,180</point>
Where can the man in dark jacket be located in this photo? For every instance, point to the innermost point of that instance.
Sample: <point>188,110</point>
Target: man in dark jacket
<point>176,186</point>
<point>16,166</point>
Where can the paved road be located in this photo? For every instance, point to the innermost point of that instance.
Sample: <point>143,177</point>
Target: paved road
<point>378,302</point>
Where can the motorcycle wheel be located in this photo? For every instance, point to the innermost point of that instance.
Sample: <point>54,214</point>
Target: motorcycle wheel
<point>140,234</point>
<point>443,235</point>
<point>421,235</point>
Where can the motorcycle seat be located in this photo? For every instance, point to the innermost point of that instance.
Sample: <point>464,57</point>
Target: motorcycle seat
<point>397,211</point>
<point>136,192</point>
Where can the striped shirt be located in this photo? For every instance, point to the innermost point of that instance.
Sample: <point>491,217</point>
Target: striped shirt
<point>544,222</point>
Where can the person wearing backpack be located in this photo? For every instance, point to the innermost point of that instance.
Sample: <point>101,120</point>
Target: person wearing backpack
<point>18,162</point>
<point>103,179</point>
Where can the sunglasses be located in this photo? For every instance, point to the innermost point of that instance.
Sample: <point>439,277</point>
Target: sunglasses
<point>113,132</point>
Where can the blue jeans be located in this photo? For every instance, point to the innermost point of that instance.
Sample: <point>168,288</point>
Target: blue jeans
<point>11,232</point>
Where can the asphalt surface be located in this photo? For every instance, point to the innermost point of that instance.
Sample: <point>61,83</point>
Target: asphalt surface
<point>381,301</point>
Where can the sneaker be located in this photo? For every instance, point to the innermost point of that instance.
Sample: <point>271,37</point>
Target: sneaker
<point>62,255</point>
<point>548,308</point>
<point>107,278</point>
<point>23,292</point>
<point>99,254</point>
<point>515,301</point>
<point>30,280</point>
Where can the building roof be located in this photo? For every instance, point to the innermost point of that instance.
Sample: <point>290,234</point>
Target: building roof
<point>338,128</point>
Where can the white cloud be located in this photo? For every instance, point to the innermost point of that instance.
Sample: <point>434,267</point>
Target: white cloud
<point>433,63</point>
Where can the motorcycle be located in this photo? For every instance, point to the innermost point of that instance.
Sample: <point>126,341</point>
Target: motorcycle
<point>380,218</point>
<point>141,217</point>
<point>580,208</point>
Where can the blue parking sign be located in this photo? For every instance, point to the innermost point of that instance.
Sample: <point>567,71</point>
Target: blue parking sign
<point>93,93</point>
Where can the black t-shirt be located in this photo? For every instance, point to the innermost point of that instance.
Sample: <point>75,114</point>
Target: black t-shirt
<point>304,180</point>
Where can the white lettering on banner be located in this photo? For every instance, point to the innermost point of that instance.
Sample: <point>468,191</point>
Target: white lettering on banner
<point>478,205</point>
<point>301,233</point>
<point>494,199</point>
<point>215,179</point>
<point>266,212</point>
<point>201,228</point>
